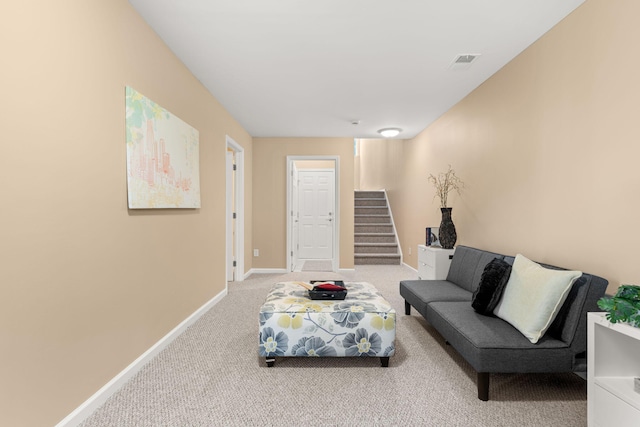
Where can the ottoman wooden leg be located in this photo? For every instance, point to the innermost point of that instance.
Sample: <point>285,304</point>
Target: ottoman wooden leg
<point>384,361</point>
<point>270,361</point>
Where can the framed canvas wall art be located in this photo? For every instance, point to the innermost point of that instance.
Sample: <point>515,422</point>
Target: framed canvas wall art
<point>163,159</point>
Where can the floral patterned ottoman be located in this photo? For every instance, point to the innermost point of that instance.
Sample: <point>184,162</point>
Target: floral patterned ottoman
<point>361,325</point>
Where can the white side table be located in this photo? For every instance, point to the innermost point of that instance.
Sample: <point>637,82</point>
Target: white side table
<point>433,262</point>
<point>613,357</point>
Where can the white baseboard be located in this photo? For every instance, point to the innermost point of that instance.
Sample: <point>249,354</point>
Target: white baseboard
<point>346,270</point>
<point>94,402</point>
<point>407,265</point>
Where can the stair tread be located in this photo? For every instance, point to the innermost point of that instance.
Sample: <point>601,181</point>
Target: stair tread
<point>374,234</point>
<point>382,255</point>
<point>376,245</point>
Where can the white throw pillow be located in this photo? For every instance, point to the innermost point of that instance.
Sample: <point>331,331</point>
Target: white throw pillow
<point>533,296</point>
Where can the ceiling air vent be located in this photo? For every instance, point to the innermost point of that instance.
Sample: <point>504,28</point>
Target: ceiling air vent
<point>465,59</point>
<point>462,62</point>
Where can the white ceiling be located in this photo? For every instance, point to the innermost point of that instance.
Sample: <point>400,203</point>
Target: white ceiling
<point>303,68</point>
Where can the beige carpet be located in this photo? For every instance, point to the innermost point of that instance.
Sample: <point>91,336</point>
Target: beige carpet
<point>212,376</point>
<point>311,265</point>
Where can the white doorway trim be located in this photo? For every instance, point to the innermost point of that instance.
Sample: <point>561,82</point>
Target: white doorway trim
<point>236,251</point>
<point>229,221</point>
<point>290,223</point>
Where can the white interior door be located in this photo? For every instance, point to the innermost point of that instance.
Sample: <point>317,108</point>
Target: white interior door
<point>316,214</point>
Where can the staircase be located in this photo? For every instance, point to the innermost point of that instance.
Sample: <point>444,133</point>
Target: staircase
<point>375,238</point>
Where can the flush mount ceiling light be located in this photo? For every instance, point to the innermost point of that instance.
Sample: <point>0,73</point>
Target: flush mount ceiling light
<point>390,132</point>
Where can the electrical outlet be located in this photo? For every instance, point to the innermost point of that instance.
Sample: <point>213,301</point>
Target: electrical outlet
<point>256,252</point>
<point>409,251</point>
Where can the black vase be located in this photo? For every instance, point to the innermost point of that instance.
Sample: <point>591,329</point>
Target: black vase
<point>447,230</point>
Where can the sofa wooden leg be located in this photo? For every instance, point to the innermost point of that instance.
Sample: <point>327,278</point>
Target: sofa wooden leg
<point>483,386</point>
<point>407,308</point>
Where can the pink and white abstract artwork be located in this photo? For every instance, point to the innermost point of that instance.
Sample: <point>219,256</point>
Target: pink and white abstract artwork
<point>163,166</point>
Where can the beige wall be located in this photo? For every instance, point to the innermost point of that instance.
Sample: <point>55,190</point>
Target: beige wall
<point>548,148</point>
<point>270,200</point>
<point>379,155</point>
<point>87,285</point>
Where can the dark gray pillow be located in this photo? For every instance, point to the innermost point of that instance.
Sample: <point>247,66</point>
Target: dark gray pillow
<point>492,282</point>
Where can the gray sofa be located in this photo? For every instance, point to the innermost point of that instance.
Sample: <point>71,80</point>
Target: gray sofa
<point>491,345</point>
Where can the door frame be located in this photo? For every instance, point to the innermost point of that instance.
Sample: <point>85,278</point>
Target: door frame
<point>290,223</point>
<point>295,195</point>
<point>228,214</point>
<point>236,251</point>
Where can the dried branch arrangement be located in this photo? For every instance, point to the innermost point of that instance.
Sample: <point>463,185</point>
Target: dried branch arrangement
<point>446,182</point>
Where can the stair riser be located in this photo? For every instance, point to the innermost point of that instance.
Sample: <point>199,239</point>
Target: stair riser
<point>360,219</point>
<point>369,195</point>
<point>376,261</point>
<point>370,202</point>
<point>371,211</point>
<point>376,250</point>
<point>370,228</point>
<point>374,239</point>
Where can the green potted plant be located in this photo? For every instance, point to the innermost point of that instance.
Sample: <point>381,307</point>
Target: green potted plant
<point>624,306</point>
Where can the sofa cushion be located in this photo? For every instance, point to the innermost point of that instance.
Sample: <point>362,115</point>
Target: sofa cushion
<point>533,296</point>
<point>490,344</point>
<point>420,293</point>
<point>467,266</point>
<point>492,283</point>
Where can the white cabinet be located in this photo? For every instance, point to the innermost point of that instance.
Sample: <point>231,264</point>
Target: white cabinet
<point>613,356</point>
<point>433,262</point>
